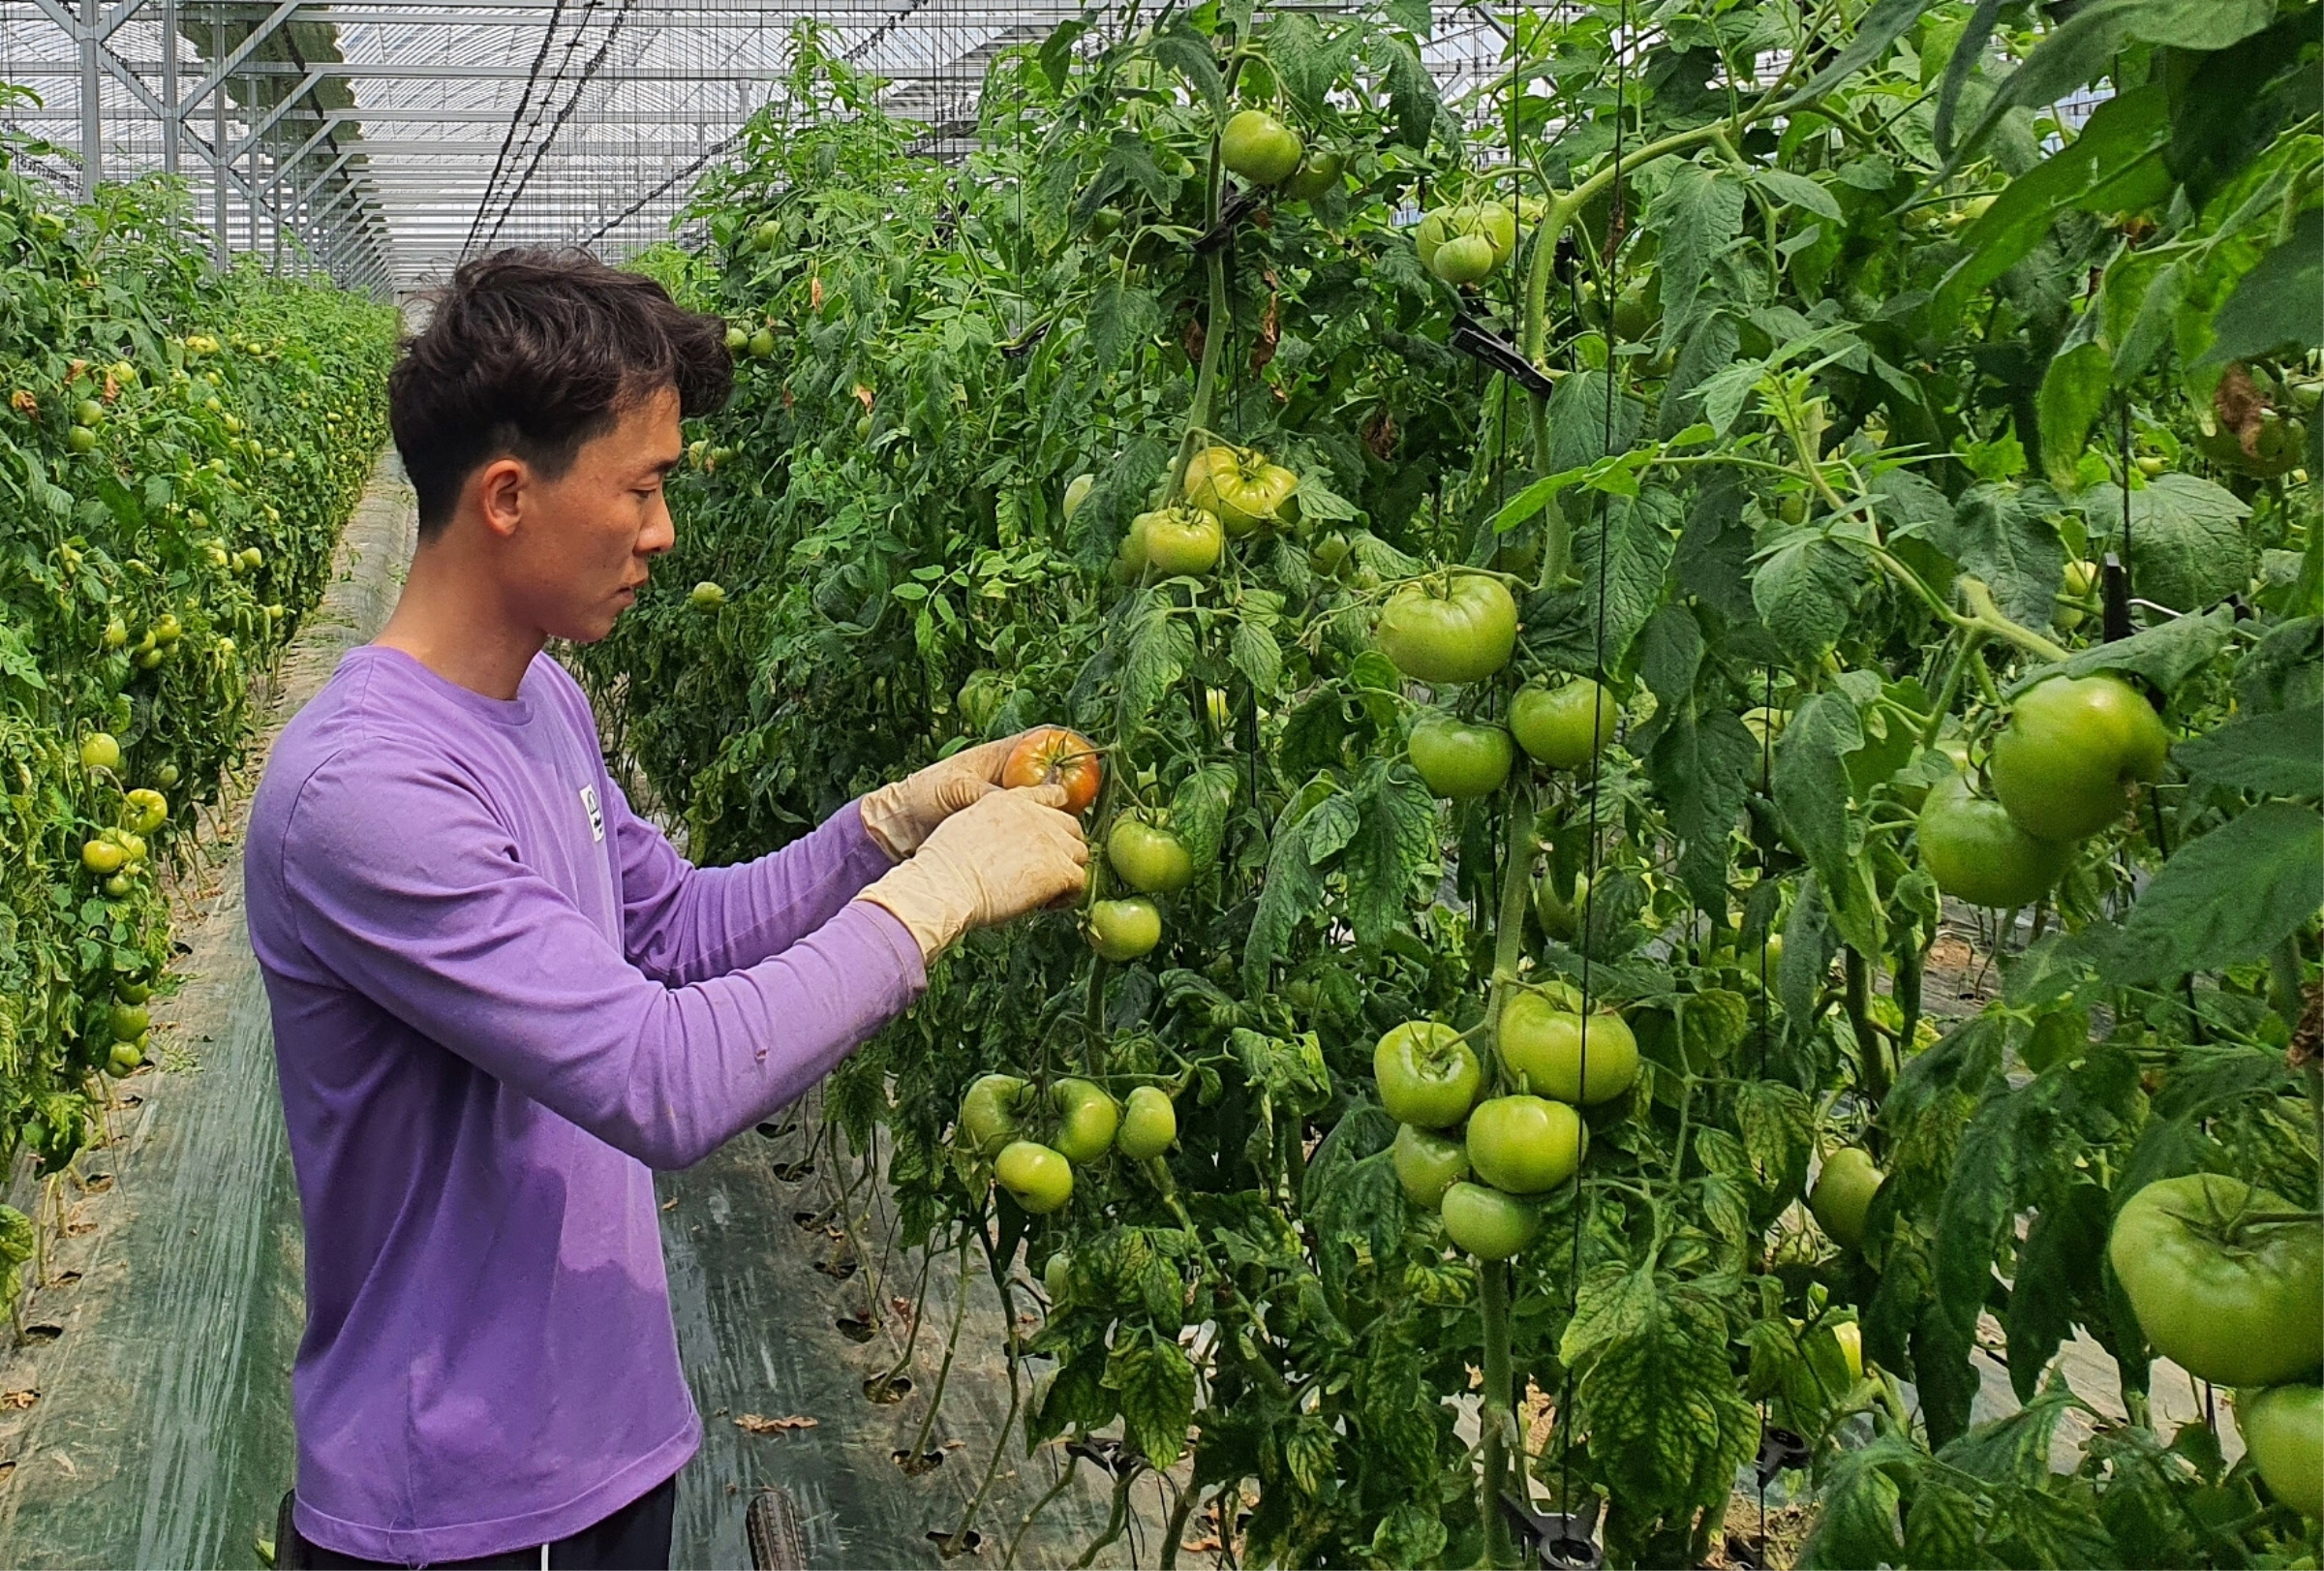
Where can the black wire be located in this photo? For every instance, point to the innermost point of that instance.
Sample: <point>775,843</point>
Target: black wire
<point>1589,896</point>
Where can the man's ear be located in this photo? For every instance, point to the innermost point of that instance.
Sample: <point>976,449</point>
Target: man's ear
<point>500,494</point>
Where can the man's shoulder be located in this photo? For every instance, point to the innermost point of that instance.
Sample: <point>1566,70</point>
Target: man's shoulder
<point>361,731</point>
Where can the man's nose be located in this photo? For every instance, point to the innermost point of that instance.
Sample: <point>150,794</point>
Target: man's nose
<point>660,534</point>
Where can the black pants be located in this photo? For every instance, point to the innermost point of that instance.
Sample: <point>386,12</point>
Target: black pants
<point>635,1538</point>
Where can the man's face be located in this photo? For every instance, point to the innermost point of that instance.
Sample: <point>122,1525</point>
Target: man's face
<point>578,555</point>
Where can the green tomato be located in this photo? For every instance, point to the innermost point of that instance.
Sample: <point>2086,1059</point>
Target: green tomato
<point>1633,317</point>
<point>707,596</point>
<point>1243,491</point>
<point>1056,1277</point>
<point>116,633</point>
<point>1330,553</point>
<point>738,342</point>
<point>124,1060</point>
<point>2283,1430</point>
<point>1149,1125</point>
<point>1457,760</point>
<point>1149,859</point>
<point>2065,763</point>
<point>102,856</point>
<point>81,438</point>
<point>129,991</point>
<point>1464,259</point>
<point>89,412</point>
<point>1427,1074</point>
<point>168,629</point>
<point>126,1022</point>
<point>166,776</point>
<point>1317,174</point>
<point>98,750</point>
<point>1086,1119</point>
<point>1498,227</point>
<point>1037,1178</point>
<point>766,236</point>
<point>1843,1195</point>
<point>1434,230</point>
<point>1523,1144</point>
<point>762,343</point>
<point>1122,930</point>
<point>989,1113</point>
<point>1180,542</point>
<point>1427,1164</point>
<point>143,811</point>
<point>1076,492</point>
<point>2232,1302</point>
<point>2079,583</point>
<point>1259,147</point>
<point>1488,1224</point>
<point>1976,852</point>
<point>1461,627</point>
<point>1564,726</point>
<point>118,886</point>
<point>1548,1047</point>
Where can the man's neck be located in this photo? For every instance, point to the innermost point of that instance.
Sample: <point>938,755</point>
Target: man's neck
<point>451,619</point>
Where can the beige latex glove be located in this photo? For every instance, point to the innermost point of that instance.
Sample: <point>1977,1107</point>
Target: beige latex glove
<point>1006,853</point>
<point>901,815</point>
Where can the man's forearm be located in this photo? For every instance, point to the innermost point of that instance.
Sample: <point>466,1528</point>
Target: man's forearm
<point>687,924</point>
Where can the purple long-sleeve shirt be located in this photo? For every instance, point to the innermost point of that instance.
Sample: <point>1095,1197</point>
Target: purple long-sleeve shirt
<point>499,998</point>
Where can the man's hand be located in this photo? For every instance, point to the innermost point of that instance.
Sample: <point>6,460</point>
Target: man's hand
<point>1007,854</point>
<point>902,815</point>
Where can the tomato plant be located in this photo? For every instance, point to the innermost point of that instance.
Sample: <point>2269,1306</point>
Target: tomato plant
<point>1760,464</point>
<point>181,446</point>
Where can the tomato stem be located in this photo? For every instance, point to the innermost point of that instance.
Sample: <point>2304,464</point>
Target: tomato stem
<point>1492,1411</point>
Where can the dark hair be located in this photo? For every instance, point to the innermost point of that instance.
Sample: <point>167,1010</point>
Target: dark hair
<point>532,354</point>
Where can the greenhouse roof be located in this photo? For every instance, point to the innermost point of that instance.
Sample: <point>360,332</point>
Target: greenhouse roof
<point>385,139</point>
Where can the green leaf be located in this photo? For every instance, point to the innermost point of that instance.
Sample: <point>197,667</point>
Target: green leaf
<point>2231,896</point>
<point>1656,1394</point>
<point>1811,783</point>
<point>1778,1124</point>
<point>1999,534</point>
<point>1189,54</point>
<point>1392,847</point>
<point>1799,190</point>
<point>1697,216</point>
<point>2058,1269</point>
<point>2083,49</point>
<point>1620,559</point>
<point>2125,134</point>
<point>2189,549</point>
<point>1157,650</point>
<point>1880,26</point>
<point>1255,653</point>
<point>1856,1523</point>
<point>2165,655</point>
<point>2276,305</point>
<point>1292,892</point>
<point>2275,753</point>
<point>1155,1384</point>
<point>1078,1397</point>
<point>1197,811</point>
<point>1805,589</point>
<point>1702,767</point>
<point>2073,394</point>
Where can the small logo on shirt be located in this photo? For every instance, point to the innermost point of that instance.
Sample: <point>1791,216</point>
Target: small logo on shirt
<point>597,816</point>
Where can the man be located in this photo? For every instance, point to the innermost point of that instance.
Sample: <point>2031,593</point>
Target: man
<point>501,999</point>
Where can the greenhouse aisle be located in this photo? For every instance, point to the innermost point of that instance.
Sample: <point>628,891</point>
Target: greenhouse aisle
<point>145,1417</point>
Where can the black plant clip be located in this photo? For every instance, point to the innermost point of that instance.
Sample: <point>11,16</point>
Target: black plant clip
<point>1238,206</point>
<point>1495,353</point>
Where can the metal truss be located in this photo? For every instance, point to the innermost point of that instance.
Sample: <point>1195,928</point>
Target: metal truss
<point>381,141</point>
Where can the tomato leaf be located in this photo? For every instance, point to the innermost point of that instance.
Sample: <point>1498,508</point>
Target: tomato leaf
<point>2188,547</point>
<point>2232,895</point>
<point>2165,655</point>
<point>1155,1384</point>
<point>2275,753</point>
